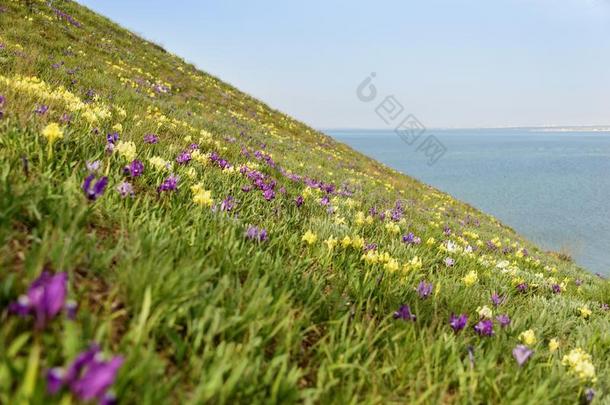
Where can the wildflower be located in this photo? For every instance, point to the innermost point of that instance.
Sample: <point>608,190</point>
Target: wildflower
<point>404,313</point>
<point>2,100</point>
<point>556,288</point>
<point>256,234</point>
<point>169,184</point>
<point>496,299</point>
<point>424,289</point>
<point>151,138</point>
<point>269,194</point>
<point>391,265</point>
<point>159,163</point>
<point>125,189</point>
<point>579,364</point>
<point>449,262</point>
<point>93,166</point>
<point>112,137</point>
<point>503,320</point>
<point>227,204</point>
<point>485,312</point>
<point>553,345</point>
<point>484,327</point>
<point>522,353</point>
<point>41,109</point>
<point>310,237</point>
<point>471,278</point>
<point>88,377</point>
<point>45,298</point>
<point>95,191</point>
<point>183,158</point>
<point>134,169</point>
<point>346,241</point>
<point>331,243</point>
<point>409,238</point>
<point>299,201</point>
<point>458,323</point>
<point>585,312</point>
<point>528,337</point>
<point>52,132</point>
<point>126,149</point>
<point>202,196</point>
<point>522,287</point>
<point>589,395</point>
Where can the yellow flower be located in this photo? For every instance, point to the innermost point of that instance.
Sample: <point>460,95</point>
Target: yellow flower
<point>528,337</point>
<point>310,237</point>
<point>126,149</point>
<point>201,196</point>
<point>580,365</point>
<point>430,241</point>
<point>553,345</point>
<point>391,265</point>
<point>52,132</point>
<point>346,242</point>
<point>331,243</point>
<point>358,242</point>
<point>392,228</point>
<point>585,312</point>
<point>158,163</point>
<point>471,278</point>
<point>117,127</point>
<point>485,312</point>
<point>360,218</point>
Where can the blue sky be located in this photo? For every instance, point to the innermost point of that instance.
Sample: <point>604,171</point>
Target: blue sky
<point>451,63</point>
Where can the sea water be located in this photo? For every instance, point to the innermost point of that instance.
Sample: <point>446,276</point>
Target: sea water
<point>551,186</point>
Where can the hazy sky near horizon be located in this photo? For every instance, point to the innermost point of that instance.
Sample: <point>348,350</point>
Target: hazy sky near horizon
<point>451,63</point>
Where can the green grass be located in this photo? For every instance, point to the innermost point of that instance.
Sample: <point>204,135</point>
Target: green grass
<point>203,315</point>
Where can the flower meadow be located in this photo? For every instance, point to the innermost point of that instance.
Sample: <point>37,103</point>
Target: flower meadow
<point>169,239</point>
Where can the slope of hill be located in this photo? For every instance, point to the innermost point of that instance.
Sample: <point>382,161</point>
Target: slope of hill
<point>196,246</point>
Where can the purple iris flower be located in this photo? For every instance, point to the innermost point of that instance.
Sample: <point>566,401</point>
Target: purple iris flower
<point>269,194</point>
<point>41,109</point>
<point>93,166</point>
<point>125,189</point>
<point>522,287</point>
<point>256,234</point>
<point>45,298</point>
<point>522,353</point>
<point>299,201</point>
<point>151,138</point>
<point>556,288</point>
<point>88,377</point>
<point>409,238</point>
<point>169,184</point>
<point>449,262</point>
<point>484,327</point>
<point>497,299</point>
<point>112,137</point>
<point>227,204</point>
<point>325,200</point>
<point>183,158</point>
<point>447,230</point>
<point>95,191</point>
<point>2,100</point>
<point>589,395</point>
<point>503,320</point>
<point>134,169</point>
<point>458,323</point>
<point>370,246</point>
<point>424,289</point>
<point>404,313</point>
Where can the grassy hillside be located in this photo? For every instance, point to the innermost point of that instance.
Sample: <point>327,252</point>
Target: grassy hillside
<point>219,251</point>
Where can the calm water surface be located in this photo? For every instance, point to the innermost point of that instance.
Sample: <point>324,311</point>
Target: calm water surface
<point>552,187</point>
